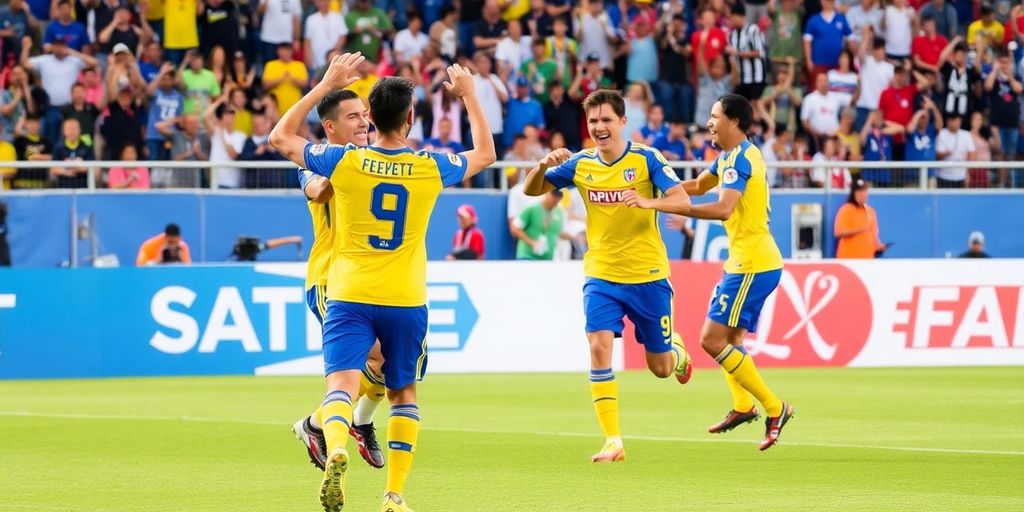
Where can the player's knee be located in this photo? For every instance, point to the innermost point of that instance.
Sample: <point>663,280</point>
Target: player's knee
<point>661,371</point>
<point>711,344</point>
<point>406,395</point>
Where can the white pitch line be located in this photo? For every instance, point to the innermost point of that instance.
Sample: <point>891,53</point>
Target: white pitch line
<point>669,439</point>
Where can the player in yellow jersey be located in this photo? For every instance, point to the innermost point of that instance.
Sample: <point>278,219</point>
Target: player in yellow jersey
<point>345,119</point>
<point>626,266</point>
<point>383,198</point>
<point>753,269</point>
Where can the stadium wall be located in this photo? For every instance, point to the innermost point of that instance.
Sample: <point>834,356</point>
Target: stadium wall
<point>922,224</point>
<point>497,317</point>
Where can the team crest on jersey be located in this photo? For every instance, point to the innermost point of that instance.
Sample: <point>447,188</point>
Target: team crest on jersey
<point>318,149</point>
<point>629,174</point>
<point>729,176</point>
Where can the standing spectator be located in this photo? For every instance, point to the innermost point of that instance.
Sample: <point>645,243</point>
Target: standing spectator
<point>673,143</point>
<point>16,20</point>
<point>897,103</point>
<point>442,142</point>
<point>819,112</point>
<point>165,248</point>
<point>410,42</point>
<point>713,81</point>
<point>256,149</point>
<point>469,239</point>
<point>489,30</point>
<point>877,140</point>
<point>959,83</point>
<point>876,74</point>
<point>837,178</point>
<point>867,13</point>
<point>187,144</point>
<point>654,128</point>
<point>710,41</point>
<point>166,103</point>
<point>982,137</point>
<point>15,101</point>
<point>225,144</point>
<point>563,50</point>
<point>642,62</point>
<point>129,177</point>
<point>121,31</point>
<point>31,146</point>
<point>493,96</point>
<point>150,61</point>
<point>442,33</point>
<point>325,31</point>
<point>900,25</point>
<point>856,226</point>
<point>595,32</point>
<point>785,45</point>
<point>975,246</point>
<point>65,29</point>
<point>57,71</point>
<point>780,102</point>
<point>561,116</point>
<point>181,32</point>
<point>638,101</point>
<point>747,45</point>
<point>86,113</point>
<point>954,144</point>
<point>588,79</point>
<point>511,52</point>
<point>444,107</point>
<point>71,149</point>
<point>674,89</point>
<point>922,133</point>
<point>469,13</point>
<point>285,77</point>
<point>539,21</point>
<point>122,124</point>
<point>928,46</point>
<point>199,84</point>
<point>522,110</point>
<point>243,114</point>
<point>1004,90</point>
<point>123,71</point>
<point>220,25</point>
<point>538,228</point>
<point>985,31</point>
<point>396,10</point>
<point>844,82</point>
<point>282,20</point>
<point>823,39</point>
<point>95,89</point>
<point>946,21</point>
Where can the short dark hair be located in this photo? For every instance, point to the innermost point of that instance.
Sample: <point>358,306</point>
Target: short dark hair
<point>878,42</point>
<point>172,230</point>
<point>605,97</point>
<point>77,84</point>
<point>390,101</point>
<point>737,107</point>
<point>739,9</point>
<point>327,108</point>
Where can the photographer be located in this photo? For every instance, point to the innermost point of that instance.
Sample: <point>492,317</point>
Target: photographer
<point>165,248</point>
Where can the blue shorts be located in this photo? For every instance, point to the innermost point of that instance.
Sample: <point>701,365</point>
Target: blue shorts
<point>647,305</point>
<point>350,328</point>
<point>738,298</point>
<point>316,300</point>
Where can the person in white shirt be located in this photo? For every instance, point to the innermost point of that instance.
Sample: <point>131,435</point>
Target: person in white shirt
<point>225,143</point>
<point>281,24</point>
<point>900,25</point>
<point>865,14</point>
<point>325,31</point>
<point>410,42</point>
<point>493,95</point>
<point>837,178</point>
<point>819,112</point>
<point>953,144</point>
<point>875,75</point>
<point>595,32</point>
<point>512,50</point>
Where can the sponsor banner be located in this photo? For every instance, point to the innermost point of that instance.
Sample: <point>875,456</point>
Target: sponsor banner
<point>869,313</point>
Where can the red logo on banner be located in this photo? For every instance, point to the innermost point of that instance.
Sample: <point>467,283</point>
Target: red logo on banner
<point>963,317</point>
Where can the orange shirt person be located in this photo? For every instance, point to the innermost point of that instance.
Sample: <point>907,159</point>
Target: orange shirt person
<point>165,248</point>
<point>856,225</point>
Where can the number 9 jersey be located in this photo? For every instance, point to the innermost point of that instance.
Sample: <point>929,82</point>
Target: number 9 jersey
<point>381,208</point>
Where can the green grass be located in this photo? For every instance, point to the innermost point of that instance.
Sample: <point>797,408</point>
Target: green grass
<point>523,442</point>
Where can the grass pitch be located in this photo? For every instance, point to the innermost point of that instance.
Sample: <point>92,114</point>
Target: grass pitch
<point>871,440</point>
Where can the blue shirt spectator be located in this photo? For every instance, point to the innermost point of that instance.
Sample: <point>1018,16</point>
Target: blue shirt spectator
<point>642,64</point>
<point>877,148</point>
<point>166,104</point>
<point>14,19</point>
<point>826,31</point>
<point>436,144</point>
<point>672,149</point>
<point>522,110</point>
<point>40,9</point>
<point>72,33</point>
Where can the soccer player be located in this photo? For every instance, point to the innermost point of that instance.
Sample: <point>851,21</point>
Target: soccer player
<point>627,266</point>
<point>383,197</point>
<point>345,119</point>
<point>752,270</point>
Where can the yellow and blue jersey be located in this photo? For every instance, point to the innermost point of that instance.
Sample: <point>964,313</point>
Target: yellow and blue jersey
<point>625,243</point>
<point>323,237</point>
<point>752,248</point>
<point>382,203</point>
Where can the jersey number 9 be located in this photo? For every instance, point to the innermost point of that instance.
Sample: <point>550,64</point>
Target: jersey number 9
<point>396,215</point>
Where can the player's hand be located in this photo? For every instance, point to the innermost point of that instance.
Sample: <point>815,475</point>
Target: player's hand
<point>341,72</point>
<point>555,158</point>
<point>460,81</point>
<point>633,200</point>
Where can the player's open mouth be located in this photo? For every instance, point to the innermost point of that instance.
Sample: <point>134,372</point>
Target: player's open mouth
<point>603,137</point>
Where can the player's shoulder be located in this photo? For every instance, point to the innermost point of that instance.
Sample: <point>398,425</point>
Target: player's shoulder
<point>327,147</point>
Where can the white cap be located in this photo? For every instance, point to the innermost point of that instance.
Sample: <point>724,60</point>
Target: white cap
<point>121,48</point>
<point>976,237</point>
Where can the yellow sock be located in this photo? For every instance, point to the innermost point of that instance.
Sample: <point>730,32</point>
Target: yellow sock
<point>336,416</point>
<point>605,392</point>
<point>740,366</point>
<point>742,400</point>
<point>371,384</point>
<point>403,431</point>
<point>316,419</point>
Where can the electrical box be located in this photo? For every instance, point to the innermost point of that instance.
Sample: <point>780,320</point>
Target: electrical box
<point>808,222</point>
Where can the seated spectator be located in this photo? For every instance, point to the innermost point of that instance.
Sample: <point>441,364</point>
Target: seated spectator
<point>856,225</point>
<point>780,102</point>
<point>522,110</point>
<point>954,144</point>
<point>86,113</point>
<point>225,144</point>
<point>31,146</point>
<point>849,138</point>
<point>563,117</point>
<point>673,143</point>
<point>199,84</point>
<point>122,124</point>
<point>469,239</point>
<point>819,112</point>
<point>187,143</point>
<point>129,177</point>
<point>95,89</point>
<point>166,103</point>
<point>985,31</point>
<point>983,138</point>
<point>654,128</point>
<point>285,77</point>
<point>71,149</point>
<point>165,248</point>
<point>15,102</point>
<point>1004,89</point>
<point>928,47</point>
<point>877,140</point>
<point>257,149</point>
<point>837,178</point>
<point>538,228</point>
<point>946,20</point>
<point>410,42</point>
<point>65,29</point>
<point>443,142</point>
<point>975,246</point>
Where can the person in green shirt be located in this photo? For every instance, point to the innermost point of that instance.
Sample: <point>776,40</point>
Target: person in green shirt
<point>785,38</point>
<point>199,83</point>
<point>367,26</point>
<point>540,71</point>
<point>538,228</point>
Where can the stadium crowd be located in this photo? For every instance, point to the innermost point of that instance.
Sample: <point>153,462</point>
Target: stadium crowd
<point>197,80</point>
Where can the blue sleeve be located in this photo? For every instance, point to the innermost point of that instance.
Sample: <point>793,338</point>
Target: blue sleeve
<point>736,177</point>
<point>305,176</point>
<point>323,158</point>
<point>809,29</point>
<point>661,174</point>
<point>713,168</point>
<point>451,166</point>
<point>846,26</point>
<point>563,175</point>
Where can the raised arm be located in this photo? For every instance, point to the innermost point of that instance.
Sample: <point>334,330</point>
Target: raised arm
<point>461,84</point>
<point>535,184</point>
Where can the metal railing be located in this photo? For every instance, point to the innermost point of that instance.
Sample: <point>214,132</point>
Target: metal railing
<point>922,179</point>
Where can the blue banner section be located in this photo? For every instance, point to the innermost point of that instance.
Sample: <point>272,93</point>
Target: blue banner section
<point>921,224</point>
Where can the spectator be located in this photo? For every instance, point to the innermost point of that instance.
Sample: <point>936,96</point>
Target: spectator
<point>954,144</point>
<point>243,76</point>
<point>986,30</point>
<point>674,89</point>
<point>595,32</point>
<point>123,71</point>
<point>876,73</point>
<point>780,102</point>
<point>928,47</point>
<point>469,239</point>
<point>798,177</point>
<point>151,60</point>
<point>31,146</point>
<point>900,25</point>
<point>121,31</point>
<point>865,14</point>
<point>469,13</point>
<point>539,70</point>
<point>446,107</point>
<point>15,101</point>
<point>410,42</point>
<point>685,226</point>
<point>1004,90</point>
<point>844,82</point>
<point>220,26</point>
<point>589,78</point>
<point>187,144</point>
<point>837,178</point>
<point>95,89</point>
<point>701,147</point>
<point>539,21</point>
<point>959,83</point>
<point>282,24</point>
<point>642,63</point>
<point>493,96</point>
<point>165,248</point>
<point>654,128</point>
<point>564,50</point>
<point>57,71</point>
<point>849,138</point>
<point>71,149</point>
<point>982,137</point>
<point>122,124</point>
<point>673,143</point>
<point>442,33</point>
<point>819,112</point>
<point>256,149</point>
<point>945,17</point>
<point>710,42</point>
<point>166,103</point>
<point>443,142</point>
<point>538,228</point>
<point>7,154</point>
<point>975,246</point>
<point>638,102</point>
<point>522,110</point>
<point>785,45</point>
<point>198,83</point>
<point>823,39</point>
<point>520,151</point>
<point>747,46</point>
<point>225,144</point>
<point>563,117</point>
<point>64,29</point>
<point>285,77</point>
<point>897,103</point>
<point>877,140</point>
<point>129,177</point>
<point>511,52</point>
<point>86,113</point>
<point>325,31</point>
<point>856,226</point>
<point>922,132</point>
<point>16,20</point>
<point>155,17</point>
<point>489,30</point>
<point>713,81</point>
<point>364,85</point>
<point>181,32</point>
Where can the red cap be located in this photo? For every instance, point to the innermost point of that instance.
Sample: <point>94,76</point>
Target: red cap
<point>467,211</point>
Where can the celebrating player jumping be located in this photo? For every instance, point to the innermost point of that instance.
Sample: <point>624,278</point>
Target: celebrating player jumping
<point>626,267</point>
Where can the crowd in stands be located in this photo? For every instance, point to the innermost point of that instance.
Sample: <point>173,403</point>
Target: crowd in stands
<point>205,80</point>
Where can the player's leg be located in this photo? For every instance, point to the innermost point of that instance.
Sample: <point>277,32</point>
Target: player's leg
<point>309,430</point>
<point>372,392</point>
<point>348,336</point>
<point>604,314</point>
<point>403,342</point>
<point>650,307</point>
